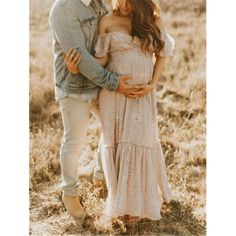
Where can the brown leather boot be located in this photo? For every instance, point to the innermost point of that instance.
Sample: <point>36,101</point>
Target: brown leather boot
<point>73,206</point>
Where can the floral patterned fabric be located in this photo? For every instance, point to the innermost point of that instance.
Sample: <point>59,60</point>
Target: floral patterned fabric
<point>133,162</point>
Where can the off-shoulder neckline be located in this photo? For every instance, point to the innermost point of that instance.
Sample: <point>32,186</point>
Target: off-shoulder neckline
<point>122,33</point>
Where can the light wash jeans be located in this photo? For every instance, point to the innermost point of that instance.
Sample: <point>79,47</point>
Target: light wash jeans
<point>75,118</point>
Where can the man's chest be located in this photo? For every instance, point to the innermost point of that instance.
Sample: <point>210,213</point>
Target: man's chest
<point>89,16</point>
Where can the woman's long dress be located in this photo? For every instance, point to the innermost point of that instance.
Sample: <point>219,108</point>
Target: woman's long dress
<point>132,157</point>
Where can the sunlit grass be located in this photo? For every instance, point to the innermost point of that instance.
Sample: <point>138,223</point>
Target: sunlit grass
<point>181,118</point>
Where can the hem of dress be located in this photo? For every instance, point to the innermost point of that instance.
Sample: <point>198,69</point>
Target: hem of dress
<point>127,142</point>
<point>126,213</point>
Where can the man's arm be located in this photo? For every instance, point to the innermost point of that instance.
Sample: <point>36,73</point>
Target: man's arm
<point>68,31</point>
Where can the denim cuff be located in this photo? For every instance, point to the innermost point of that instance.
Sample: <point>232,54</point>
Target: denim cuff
<point>114,82</point>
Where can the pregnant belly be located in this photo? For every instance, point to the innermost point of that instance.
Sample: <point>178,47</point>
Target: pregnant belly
<point>140,68</point>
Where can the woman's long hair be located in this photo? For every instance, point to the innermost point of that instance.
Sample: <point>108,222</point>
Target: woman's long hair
<point>144,15</point>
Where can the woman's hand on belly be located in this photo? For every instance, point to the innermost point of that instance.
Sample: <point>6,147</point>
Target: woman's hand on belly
<point>129,90</point>
<point>143,91</point>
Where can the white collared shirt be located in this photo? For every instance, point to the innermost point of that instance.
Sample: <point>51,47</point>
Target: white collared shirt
<point>86,2</point>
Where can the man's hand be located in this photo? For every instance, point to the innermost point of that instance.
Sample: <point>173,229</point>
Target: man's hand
<point>132,91</point>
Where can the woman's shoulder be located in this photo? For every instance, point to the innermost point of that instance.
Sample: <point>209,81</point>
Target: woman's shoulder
<point>109,18</point>
<point>105,22</point>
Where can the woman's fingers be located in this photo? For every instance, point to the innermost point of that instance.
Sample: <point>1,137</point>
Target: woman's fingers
<point>135,94</point>
<point>77,61</point>
<point>66,58</point>
<point>76,58</point>
<point>74,65</point>
<point>131,96</point>
<point>72,59</point>
<point>72,54</point>
<point>68,54</point>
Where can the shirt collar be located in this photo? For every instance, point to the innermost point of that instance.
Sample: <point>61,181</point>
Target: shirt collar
<point>86,2</point>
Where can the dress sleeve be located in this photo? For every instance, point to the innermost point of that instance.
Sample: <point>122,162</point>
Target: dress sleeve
<point>102,45</point>
<point>169,46</point>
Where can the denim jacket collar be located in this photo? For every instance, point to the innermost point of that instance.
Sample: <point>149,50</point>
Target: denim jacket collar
<point>86,2</point>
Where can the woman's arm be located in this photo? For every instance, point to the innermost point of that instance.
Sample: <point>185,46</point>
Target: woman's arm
<point>159,64</point>
<point>158,69</point>
<point>160,61</point>
<point>102,60</point>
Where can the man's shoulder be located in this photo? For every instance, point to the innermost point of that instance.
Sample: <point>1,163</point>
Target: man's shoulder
<point>64,7</point>
<point>66,2</point>
<point>59,5</point>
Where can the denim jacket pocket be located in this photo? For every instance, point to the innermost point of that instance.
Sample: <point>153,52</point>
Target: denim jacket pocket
<point>89,28</point>
<point>85,22</point>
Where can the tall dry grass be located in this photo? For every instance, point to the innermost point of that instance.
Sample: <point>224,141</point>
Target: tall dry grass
<point>182,123</point>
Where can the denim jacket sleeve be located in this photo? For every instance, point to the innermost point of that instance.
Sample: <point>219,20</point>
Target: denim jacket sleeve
<point>69,34</point>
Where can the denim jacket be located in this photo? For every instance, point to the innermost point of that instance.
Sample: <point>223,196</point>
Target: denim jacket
<point>75,25</point>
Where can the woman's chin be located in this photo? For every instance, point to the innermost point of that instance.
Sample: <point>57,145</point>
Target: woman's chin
<point>125,13</point>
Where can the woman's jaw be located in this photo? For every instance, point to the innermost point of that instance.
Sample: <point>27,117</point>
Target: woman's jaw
<point>125,12</point>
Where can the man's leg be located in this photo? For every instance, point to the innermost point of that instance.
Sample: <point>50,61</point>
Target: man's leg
<point>98,175</point>
<point>75,117</point>
<point>98,171</point>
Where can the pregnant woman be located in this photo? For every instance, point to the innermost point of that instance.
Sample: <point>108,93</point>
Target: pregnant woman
<point>132,156</point>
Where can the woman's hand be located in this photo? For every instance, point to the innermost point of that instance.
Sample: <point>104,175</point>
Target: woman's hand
<point>143,91</point>
<point>72,59</point>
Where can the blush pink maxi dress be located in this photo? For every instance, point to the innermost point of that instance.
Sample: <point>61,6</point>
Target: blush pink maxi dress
<point>132,157</point>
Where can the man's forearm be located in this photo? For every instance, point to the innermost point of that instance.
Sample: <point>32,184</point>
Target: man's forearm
<point>90,68</point>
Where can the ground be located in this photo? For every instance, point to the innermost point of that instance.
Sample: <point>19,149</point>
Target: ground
<point>181,119</point>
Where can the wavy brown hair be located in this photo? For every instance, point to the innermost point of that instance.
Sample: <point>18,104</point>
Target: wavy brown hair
<point>144,16</point>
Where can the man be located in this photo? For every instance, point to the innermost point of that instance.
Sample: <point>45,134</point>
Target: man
<point>74,25</point>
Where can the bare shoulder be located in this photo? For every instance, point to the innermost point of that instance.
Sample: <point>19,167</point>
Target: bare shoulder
<point>105,22</point>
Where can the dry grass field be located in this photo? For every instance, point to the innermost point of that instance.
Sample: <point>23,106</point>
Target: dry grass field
<point>182,123</point>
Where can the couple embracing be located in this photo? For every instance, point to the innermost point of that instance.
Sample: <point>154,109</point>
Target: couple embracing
<point>109,63</point>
